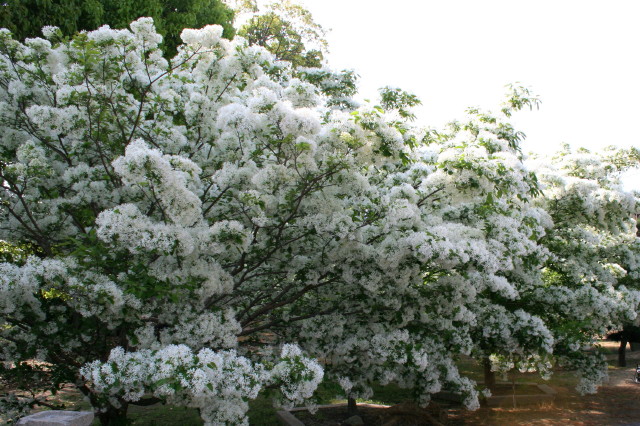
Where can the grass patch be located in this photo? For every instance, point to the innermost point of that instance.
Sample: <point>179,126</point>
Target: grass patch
<point>161,415</point>
<point>262,412</point>
<point>390,395</point>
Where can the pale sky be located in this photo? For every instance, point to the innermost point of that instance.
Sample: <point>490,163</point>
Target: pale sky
<point>582,57</point>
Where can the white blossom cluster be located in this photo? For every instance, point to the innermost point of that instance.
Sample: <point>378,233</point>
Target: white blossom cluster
<point>217,383</point>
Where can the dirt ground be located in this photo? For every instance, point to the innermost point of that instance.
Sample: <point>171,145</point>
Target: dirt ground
<point>616,403</point>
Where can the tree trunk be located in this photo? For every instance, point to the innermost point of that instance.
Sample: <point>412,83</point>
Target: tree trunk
<point>489,376</point>
<point>622,360</point>
<point>352,408</point>
<point>114,416</point>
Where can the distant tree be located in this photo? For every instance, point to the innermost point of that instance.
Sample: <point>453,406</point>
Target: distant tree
<point>179,14</point>
<point>287,30</point>
<point>628,334</point>
<point>25,18</point>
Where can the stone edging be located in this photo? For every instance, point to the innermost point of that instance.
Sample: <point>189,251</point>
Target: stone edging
<point>57,418</point>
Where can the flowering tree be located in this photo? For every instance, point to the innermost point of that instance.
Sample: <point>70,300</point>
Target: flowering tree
<point>500,190</point>
<point>154,229</point>
<point>197,230</point>
<point>592,272</point>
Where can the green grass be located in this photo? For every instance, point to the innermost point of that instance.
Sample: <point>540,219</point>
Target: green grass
<point>389,395</point>
<point>261,412</point>
<point>162,415</point>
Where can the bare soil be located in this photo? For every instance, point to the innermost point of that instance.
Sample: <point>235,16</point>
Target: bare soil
<point>616,403</point>
<point>397,415</point>
<point>507,390</point>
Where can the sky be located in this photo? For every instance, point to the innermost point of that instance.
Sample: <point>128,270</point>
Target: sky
<point>581,57</point>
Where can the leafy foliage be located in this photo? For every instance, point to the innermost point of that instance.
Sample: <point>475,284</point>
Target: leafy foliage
<point>288,31</point>
<point>26,18</point>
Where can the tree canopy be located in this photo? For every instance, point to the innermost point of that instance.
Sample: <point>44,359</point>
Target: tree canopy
<point>26,18</point>
<point>287,30</point>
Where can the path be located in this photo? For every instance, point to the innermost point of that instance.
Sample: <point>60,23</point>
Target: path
<point>616,403</point>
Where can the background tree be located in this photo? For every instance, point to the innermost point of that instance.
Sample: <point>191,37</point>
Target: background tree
<point>25,18</point>
<point>287,30</point>
<point>629,334</point>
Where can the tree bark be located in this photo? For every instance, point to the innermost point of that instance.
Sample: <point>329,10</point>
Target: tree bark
<point>114,416</point>
<point>489,376</point>
<point>622,360</point>
<point>352,407</point>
